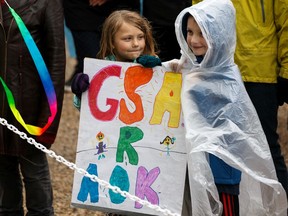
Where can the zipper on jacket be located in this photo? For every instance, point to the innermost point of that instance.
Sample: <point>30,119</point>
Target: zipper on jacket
<point>263,11</point>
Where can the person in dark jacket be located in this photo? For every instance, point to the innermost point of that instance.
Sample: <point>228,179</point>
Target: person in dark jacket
<point>19,159</point>
<point>162,15</point>
<point>85,18</point>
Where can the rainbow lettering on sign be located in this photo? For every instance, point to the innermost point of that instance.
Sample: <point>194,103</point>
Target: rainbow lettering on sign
<point>167,99</point>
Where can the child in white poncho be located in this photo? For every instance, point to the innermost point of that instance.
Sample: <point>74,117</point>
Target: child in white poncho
<point>223,132</point>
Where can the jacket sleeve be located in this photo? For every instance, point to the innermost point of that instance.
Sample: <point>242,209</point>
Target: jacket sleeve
<point>281,22</point>
<point>54,57</point>
<point>195,1</point>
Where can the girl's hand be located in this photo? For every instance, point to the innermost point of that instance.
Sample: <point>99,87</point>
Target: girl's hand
<point>174,65</point>
<point>80,84</point>
<point>149,61</point>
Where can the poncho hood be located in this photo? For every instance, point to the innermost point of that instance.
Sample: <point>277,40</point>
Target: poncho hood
<point>217,23</point>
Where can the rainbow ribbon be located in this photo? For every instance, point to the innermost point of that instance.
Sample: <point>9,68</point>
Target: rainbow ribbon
<point>44,76</point>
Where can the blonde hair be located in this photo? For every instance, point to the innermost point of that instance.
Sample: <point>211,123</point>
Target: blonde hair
<point>113,23</point>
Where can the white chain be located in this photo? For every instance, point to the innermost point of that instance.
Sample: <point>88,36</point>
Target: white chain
<point>93,178</point>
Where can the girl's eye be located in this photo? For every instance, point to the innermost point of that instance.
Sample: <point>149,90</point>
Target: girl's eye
<point>126,38</point>
<point>189,32</point>
<point>141,37</point>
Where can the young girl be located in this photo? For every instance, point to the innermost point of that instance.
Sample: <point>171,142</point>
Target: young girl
<point>126,37</point>
<point>223,132</point>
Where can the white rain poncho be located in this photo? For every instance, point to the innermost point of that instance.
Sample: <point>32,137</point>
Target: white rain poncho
<point>221,120</point>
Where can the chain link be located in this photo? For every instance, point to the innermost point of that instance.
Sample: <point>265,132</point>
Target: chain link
<point>93,178</point>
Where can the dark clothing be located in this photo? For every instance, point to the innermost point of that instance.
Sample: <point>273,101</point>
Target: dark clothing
<point>166,42</point>
<point>86,45</point>
<point>264,98</point>
<point>162,15</point>
<point>80,16</point>
<point>227,178</point>
<point>164,12</point>
<point>38,193</point>
<point>18,159</point>
<point>44,20</point>
<point>230,204</point>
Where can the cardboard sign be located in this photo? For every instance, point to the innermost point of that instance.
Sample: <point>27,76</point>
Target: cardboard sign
<point>131,134</point>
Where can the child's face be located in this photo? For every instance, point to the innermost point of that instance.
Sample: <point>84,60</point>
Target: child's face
<point>195,39</point>
<point>129,43</point>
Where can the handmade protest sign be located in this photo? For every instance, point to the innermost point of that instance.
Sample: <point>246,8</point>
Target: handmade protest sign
<point>131,134</point>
